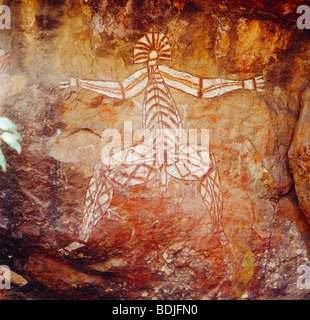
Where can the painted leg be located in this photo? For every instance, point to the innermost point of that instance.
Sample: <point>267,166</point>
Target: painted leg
<point>97,201</point>
<point>198,163</point>
<point>129,167</point>
<point>212,195</point>
<point>96,204</point>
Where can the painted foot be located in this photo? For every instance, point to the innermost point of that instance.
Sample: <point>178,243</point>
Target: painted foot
<point>220,236</point>
<point>71,247</point>
<point>113,215</point>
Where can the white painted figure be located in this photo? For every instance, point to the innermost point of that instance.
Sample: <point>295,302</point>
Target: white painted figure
<point>162,154</point>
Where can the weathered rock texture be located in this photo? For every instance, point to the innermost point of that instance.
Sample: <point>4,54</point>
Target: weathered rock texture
<point>300,156</point>
<point>163,249</point>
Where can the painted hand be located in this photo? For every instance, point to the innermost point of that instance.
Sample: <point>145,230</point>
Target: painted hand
<point>257,83</point>
<point>71,82</point>
<point>260,84</point>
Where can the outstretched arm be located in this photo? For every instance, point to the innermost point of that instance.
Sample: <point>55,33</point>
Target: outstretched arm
<point>125,89</point>
<point>207,88</point>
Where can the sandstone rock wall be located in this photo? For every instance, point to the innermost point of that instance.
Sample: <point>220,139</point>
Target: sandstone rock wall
<point>163,248</point>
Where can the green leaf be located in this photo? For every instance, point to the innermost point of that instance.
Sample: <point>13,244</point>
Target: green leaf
<point>2,161</point>
<point>7,125</point>
<point>17,135</point>
<point>11,140</point>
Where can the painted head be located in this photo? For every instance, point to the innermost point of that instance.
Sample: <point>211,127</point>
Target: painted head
<point>152,48</point>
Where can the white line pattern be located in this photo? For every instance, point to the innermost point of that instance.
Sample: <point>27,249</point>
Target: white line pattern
<point>162,154</point>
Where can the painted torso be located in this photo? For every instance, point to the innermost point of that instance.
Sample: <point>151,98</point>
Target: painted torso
<point>161,118</point>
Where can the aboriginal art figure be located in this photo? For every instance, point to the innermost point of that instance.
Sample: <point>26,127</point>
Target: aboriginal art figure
<point>160,155</point>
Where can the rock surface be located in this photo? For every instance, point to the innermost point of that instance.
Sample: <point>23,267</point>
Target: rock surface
<point>162,248</point>
<point>300,155</point>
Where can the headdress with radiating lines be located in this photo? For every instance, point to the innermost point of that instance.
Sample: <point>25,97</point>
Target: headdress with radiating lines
<point>153,45</point>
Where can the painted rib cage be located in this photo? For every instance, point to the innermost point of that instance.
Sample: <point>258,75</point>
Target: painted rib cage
<point>160,117</point>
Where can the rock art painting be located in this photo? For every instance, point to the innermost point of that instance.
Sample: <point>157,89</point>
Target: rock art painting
<point>162,154</point>
<point>161,150</point>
